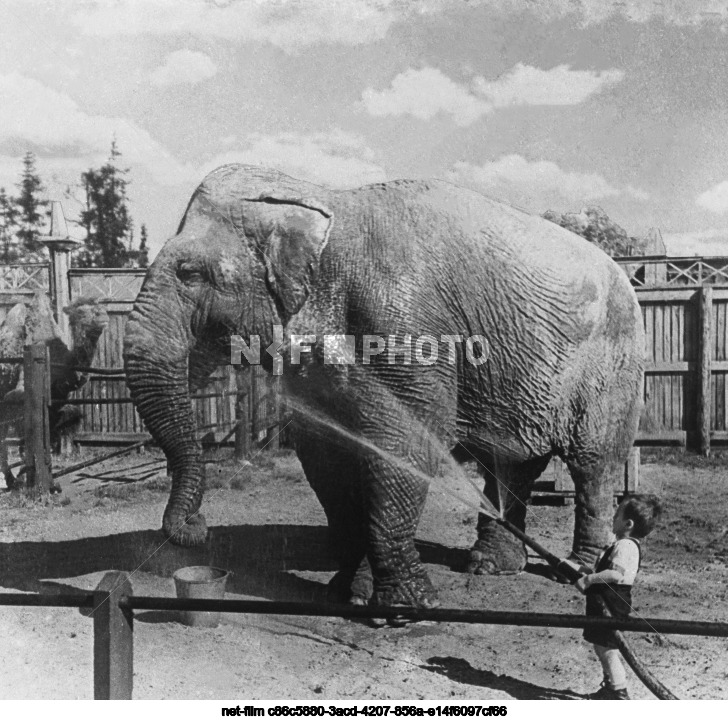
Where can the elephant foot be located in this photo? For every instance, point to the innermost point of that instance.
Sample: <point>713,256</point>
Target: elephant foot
<point>497,553</point>
<point>185,532</point>
<point>345,589</point>
<point>415,590</point>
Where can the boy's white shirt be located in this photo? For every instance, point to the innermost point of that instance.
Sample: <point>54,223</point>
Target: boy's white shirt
<point>625,560</point>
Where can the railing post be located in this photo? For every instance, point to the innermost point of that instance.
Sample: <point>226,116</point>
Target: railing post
<point>705,364</point>
<point>113,639</point>
<point>37,396</point>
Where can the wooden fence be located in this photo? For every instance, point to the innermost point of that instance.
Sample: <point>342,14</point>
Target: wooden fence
<point>232,395</point>
<point>18,284</point>
<point>684,305</point>
<point>115,419</point>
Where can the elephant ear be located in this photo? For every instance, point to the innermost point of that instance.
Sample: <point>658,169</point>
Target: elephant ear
<point>291,235</point>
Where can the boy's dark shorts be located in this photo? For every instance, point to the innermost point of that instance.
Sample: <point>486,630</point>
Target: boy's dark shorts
<point>620,606</point>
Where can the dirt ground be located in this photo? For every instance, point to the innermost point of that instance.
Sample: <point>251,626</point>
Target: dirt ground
<point>267,527</point>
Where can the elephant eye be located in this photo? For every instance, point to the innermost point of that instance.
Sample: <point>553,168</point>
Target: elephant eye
<point>189,273</point>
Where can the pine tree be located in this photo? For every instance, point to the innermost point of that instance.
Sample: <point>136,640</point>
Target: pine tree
<point>8,229</point>
<point>106,218</point>
<point>31,210</point>
<point>143,252</point>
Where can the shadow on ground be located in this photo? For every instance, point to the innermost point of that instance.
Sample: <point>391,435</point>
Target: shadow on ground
<point>461,671</point>
<point>261,558</point>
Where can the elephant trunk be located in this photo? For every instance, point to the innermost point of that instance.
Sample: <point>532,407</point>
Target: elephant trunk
<point>156,364</point>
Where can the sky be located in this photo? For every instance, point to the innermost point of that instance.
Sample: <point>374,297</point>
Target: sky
<point>547,106</point>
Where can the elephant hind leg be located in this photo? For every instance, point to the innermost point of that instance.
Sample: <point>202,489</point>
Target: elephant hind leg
<point>596,463</point>
<point>508,487</point>
<point>594,486</point>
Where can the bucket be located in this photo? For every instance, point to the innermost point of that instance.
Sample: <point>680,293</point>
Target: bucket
<point>200,582</point>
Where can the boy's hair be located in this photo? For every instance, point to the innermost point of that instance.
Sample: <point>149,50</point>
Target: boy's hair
<point>643,510</point>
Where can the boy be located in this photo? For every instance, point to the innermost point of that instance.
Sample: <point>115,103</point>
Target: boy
<point>612,580</point>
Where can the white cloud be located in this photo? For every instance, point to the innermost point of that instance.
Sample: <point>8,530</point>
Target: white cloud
<point>526,85</point>
<point>288,24</point>
<point>713,241</point>
<point>715,199</point>
<point>335,159</point>
<point>592,12</point>
<point>38,115</point>
<point>294,24</point>
<point>637,193</point>
<point>536,186</point>
<point>424,93</point>
<point>184,66</point>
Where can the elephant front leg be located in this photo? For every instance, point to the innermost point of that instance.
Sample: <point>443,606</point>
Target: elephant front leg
<point>396,500</point>
<point>335,479</point>
<point>508,488</point>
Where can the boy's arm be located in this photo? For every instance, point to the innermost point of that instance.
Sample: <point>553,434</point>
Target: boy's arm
<point>576,566</point>
<point>605,577</point>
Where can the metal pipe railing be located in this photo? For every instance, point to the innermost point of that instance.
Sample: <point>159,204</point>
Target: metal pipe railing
<point>112,606</point>
<point>441,615</point>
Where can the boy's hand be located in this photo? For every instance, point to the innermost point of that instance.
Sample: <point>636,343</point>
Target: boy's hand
<point>583,583</point>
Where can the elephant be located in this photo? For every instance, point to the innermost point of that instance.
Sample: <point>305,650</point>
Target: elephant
<point>261,255</point>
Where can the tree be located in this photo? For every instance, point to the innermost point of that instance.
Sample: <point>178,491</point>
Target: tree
<point>8,229</point>
<point>106,218</point>
<point>30,210</point>
<point>593,224</point>
<point>142,257</point>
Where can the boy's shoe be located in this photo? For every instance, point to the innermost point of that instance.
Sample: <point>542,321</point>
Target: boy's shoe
<point>607,693</point>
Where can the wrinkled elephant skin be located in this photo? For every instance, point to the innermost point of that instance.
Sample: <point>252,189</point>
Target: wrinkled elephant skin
<point>257,249</point>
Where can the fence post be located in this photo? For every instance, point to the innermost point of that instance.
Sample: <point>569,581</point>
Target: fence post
<point>273,431</point>
<point>36,370</point>
<point>632,471</point>
<point>59,246</point>
<point>242,413</point>
<point>705,360</point>
<point>113,639</point>
<point>254,406</point>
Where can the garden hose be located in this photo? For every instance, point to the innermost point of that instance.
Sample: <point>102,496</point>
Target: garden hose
<point>573,575</point>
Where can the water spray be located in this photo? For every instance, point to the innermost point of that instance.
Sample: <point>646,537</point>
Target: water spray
<point>561,566</point>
